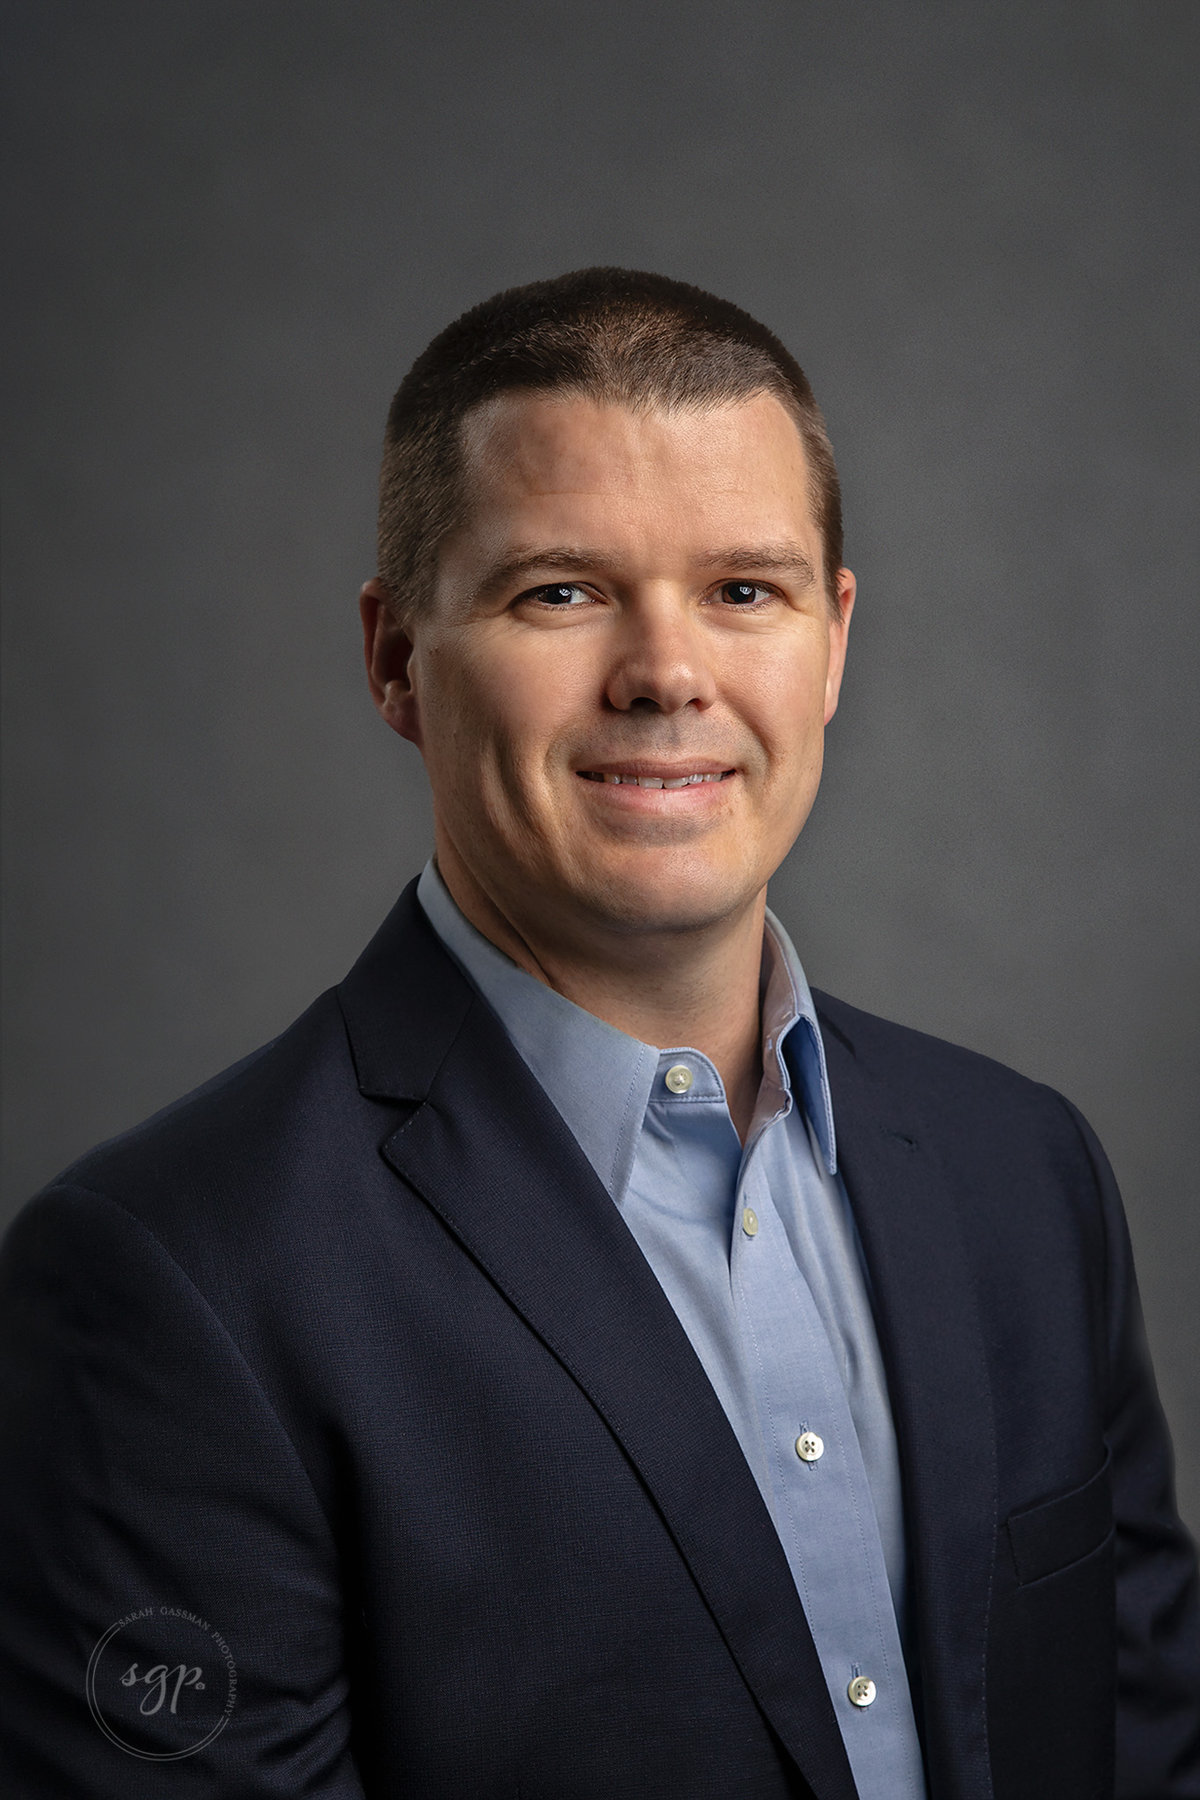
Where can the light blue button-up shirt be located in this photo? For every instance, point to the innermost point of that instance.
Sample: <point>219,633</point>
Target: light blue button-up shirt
<point>757,1251</point>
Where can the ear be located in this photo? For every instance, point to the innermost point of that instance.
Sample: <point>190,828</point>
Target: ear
<point>388,650</point>
<point>839,628</point>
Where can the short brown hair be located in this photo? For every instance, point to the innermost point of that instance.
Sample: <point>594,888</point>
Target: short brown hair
<point>618,336</point>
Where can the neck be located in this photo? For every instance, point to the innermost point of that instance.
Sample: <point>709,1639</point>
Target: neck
<point>699,988</point>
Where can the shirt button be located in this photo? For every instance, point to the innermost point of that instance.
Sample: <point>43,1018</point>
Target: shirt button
<point>861,1691</point>
<point>810,1448</point>
<point>678,1078</point>
<point>750,1222</point>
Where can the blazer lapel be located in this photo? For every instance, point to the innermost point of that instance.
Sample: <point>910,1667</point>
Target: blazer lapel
<point>485,1148</point>
<point>931,1338</point>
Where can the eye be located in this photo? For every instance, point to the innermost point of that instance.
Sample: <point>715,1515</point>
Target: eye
<point>745,593</point>
<point>560,595</point>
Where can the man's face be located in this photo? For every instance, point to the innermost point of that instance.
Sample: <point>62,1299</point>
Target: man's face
<point>622,680</point>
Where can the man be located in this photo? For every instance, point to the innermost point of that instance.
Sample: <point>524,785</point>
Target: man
<point>569,1362</point>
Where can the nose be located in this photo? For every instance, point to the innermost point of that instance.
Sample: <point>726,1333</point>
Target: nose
<point>661,658</point>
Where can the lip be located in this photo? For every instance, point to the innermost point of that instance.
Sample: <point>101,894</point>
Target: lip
<point>654,775</point>
<point>690,801</point>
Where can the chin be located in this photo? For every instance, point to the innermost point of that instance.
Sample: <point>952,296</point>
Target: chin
<point>667,902</point>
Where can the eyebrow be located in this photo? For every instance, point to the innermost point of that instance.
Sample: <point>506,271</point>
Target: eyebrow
<point>782,558</point>
<point>564,558</point>
<point>785,558</point>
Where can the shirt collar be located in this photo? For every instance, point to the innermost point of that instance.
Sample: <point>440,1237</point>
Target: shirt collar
<point>600,1079</point>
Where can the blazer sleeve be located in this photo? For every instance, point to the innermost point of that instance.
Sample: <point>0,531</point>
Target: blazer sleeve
<point>150,1487</point>
<point>1158,1594</point>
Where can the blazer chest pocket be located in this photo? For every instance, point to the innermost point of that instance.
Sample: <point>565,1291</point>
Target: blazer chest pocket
<point>1062,1531</point>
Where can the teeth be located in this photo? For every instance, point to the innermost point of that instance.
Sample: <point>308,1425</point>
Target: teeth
<point>656,781</point>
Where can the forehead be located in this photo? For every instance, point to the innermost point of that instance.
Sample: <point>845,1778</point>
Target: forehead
<point>553,457</point>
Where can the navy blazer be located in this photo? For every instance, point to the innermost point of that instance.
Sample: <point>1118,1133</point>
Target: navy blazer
<point>350,1356</point>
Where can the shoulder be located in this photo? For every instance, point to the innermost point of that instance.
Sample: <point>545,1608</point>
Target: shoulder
<point>274,1164</point>
<point>237,1162</point>
<point>274,1093</point>
<point>289,1118</point>
<point>971,1106</point>
<point>918,1062</point>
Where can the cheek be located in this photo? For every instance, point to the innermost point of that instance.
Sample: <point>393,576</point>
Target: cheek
<point>785,708</point>
<point>493,715</point>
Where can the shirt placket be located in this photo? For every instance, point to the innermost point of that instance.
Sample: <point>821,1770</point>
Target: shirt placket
<point>819,1494</point>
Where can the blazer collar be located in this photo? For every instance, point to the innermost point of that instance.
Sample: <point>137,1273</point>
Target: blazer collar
<point>404,1003</point>
<point>481,1147</point>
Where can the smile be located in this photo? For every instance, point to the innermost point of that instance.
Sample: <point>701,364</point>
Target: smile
<point>653,781</point>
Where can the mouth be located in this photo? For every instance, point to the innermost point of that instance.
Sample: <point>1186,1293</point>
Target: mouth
<point>671,779</point>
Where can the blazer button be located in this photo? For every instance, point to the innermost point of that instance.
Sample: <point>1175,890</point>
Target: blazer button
<point>861,1691</point>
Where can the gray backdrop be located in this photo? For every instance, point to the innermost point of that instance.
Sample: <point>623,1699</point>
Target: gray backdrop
<point>235,225</point>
